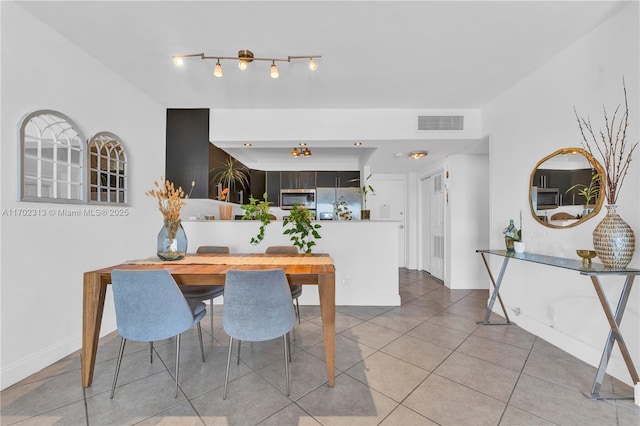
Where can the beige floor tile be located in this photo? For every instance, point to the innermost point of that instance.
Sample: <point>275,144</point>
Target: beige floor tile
<point>511,335</point>
<point>398,321</point>
<point>441,336</point>
<point>448,403</point>
<point>404,416</point>
<point>495,352</point>
<point>72,414</point>
<point>290,415</point>
<point>250,400</point>
<point>516,417</point>
<point>306,373</point>
<point>180,415</point>
<point>388,375</point>
<point>348,352</point>
<point>371,335</point>
<point>483,376</point>
<point>417,352</point>
<point>348,403</point>
<point>453,321</point>
<point>362,312</point>
<point>560,404</point>
<point>343,322</point>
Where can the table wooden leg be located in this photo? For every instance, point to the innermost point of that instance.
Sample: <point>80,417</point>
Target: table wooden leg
<point>92,307</point>
<point>327,291</point>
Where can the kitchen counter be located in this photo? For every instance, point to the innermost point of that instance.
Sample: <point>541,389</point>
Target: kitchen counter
<point>365,254</point>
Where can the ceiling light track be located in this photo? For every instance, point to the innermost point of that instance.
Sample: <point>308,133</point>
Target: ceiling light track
<point>244,58</point>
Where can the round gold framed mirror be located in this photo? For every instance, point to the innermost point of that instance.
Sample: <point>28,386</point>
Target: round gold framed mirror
<point>565,188</point>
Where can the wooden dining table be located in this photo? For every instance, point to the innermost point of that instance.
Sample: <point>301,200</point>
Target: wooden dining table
<point>211,269</point>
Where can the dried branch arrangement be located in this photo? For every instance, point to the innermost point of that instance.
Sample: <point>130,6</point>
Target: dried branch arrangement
<point>170,199</point>
<point>612,145</point>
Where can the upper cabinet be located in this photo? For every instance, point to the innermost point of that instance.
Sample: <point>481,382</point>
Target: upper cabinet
<point>187,150</point>
<point>298,180</point>
<point>341,179</point>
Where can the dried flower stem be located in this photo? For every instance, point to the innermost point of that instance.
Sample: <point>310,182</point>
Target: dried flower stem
<point>170,201</point>
<point>612,146</point>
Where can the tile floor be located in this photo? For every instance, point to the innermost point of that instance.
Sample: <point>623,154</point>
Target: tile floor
<point>423,363</point>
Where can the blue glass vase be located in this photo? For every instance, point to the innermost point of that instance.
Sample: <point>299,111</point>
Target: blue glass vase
<point>172,241</point>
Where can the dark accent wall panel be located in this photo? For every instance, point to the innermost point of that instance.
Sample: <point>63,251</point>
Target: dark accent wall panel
<point>187,149</point>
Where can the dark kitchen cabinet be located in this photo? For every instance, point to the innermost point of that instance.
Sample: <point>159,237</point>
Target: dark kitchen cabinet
<point>298,180</point>
<point>258,179</point>
<point>337,179</point>
<point>273,188</point>
<point>187,150</point>
<point>563,180</point>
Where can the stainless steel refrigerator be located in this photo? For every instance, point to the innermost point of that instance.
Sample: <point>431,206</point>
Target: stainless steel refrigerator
<point>327,196</point>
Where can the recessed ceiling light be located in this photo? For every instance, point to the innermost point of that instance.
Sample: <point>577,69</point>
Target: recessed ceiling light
<point>418,154</point>
<point>302,144</point>
<point>357,143</point>
<point>248,144</point>
<point>398,154</point>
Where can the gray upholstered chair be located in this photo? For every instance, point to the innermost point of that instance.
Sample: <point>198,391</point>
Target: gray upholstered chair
<point>296,290</point>
<point>205,292</point>
<point>257,307</point>
<point>149,306</point>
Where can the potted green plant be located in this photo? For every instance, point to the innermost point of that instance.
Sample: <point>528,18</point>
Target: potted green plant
<point>366,189</point>
<point>300,229</point>
<point>258,210</point>
<point>228,174</point>
<point>588,192</point>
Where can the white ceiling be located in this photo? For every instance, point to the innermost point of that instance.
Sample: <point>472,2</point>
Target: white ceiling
<point>375,54</point>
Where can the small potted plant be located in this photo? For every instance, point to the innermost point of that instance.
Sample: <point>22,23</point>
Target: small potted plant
<point>228,175</point>
<point>258,210</point>
<point>512,236</point>
<point>366,189</point>
<point>301,230</point>
<point>588,192</point>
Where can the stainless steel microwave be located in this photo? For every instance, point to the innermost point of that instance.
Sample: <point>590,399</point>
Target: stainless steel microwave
<point>303,197</point>
<point>547,198</point>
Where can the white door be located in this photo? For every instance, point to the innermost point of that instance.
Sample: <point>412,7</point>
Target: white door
<point>388,203</point>
<point>433,225</point>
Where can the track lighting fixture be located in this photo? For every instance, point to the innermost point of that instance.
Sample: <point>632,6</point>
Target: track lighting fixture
<point>244,58</point>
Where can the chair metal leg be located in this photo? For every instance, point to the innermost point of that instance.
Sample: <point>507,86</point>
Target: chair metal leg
<point>298,310</point>
<point>115,377</point>
<point>200,336</point>
<point>175,393</point>
<point>151,352</point>
<point>286,361</point>
<point>211,313</point>
<point>239,343</point>
<point>289,340</point>
<point>226,376</point>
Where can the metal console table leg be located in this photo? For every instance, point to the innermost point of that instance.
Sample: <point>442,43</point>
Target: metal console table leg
<point>614,335</point>
<point>495,294</point>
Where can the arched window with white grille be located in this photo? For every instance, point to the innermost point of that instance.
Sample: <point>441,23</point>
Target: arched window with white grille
<point>107,170</point>
<point>52,159</point>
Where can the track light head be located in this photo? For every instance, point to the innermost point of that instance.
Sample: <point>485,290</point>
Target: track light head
<point>217,70</point>
<point>313,65</point>
<point>178,61</point>
<point>274,70</point>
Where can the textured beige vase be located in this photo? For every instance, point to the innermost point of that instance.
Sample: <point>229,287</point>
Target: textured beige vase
<point>614,240</point>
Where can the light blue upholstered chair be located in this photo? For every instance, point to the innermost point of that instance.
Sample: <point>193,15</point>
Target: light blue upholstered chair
<point>200,293</point>
<point>296,290</point>
<point>257,307</point>
<point>150,306</point>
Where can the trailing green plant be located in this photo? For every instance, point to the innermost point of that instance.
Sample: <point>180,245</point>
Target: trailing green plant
<point>588,192</point>
<point>365,189</point>
<point>230,173</point>
<point>257,210</point>
<point>301,231</point>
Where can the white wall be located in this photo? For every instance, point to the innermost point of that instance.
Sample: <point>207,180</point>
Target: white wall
<point>366,273</point>
<point>43,258</point>
<point>532,120</point>
<point>467,216</point>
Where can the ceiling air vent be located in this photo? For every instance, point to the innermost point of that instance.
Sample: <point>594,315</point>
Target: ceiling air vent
<point>440,122</point>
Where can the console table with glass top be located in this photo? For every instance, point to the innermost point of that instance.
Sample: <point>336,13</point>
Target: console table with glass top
<point>594,271</point>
